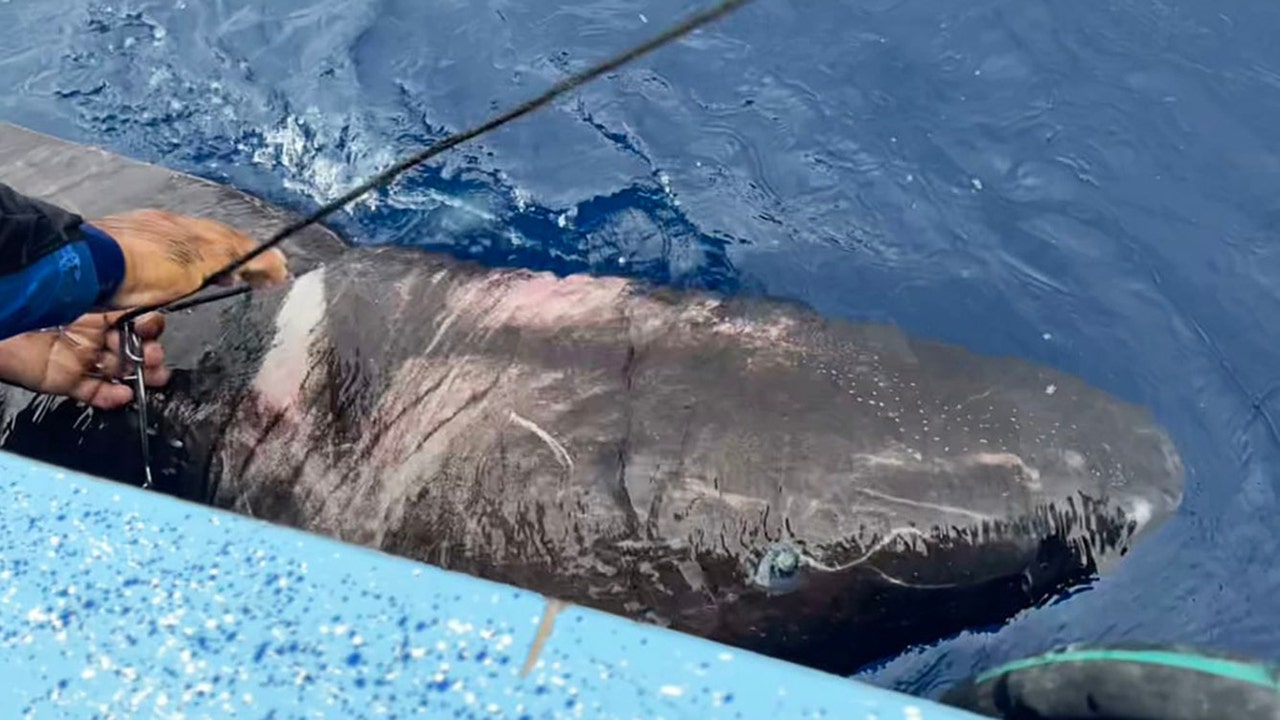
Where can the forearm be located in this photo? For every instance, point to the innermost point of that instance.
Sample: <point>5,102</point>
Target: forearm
<point>60,286</point>
<point>53,266</point>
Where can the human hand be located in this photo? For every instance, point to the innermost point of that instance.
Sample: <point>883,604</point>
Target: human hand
<point>79,360</point>
<point>168,255</point>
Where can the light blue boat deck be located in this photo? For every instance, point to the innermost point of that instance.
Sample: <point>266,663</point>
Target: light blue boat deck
<point>117,602</point>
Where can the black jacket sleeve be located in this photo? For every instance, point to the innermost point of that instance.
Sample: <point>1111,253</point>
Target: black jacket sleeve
<point>31,229</point>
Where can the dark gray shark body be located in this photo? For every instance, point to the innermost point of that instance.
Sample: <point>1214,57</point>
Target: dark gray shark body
<point>737,468</point>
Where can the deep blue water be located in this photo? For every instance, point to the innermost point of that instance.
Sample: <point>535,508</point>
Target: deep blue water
<point>1095,186</point>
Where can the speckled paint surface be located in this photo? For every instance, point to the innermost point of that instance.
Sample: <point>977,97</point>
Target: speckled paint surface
<point>116,603</point>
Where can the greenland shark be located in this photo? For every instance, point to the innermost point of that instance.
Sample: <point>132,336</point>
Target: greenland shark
<point>742,469</point>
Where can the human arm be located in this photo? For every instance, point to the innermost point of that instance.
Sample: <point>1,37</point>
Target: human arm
<point>55,267</point>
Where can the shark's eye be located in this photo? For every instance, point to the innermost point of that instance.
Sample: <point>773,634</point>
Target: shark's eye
<point>779,570</point>
<point>785,562</point>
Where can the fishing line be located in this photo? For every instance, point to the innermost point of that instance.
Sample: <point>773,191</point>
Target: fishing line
<point>389,175</point>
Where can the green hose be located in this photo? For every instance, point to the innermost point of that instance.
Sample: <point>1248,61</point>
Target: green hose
<point>1124,682</point>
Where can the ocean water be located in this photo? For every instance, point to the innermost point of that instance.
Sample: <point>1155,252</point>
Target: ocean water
<point>1093,186</point>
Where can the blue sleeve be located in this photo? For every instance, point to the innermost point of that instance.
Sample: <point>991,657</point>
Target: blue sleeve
<point>62,285</point>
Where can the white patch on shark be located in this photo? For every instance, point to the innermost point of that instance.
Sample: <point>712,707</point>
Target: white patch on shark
<point>440,331</point>
<point>901,458</point>
<point>774,331</point>
<point>1031,473</point>
<point>890,458</point>
<point>279,380</point>
<point>540,301</point>
<point>951,509</point>
<point>561,453</point>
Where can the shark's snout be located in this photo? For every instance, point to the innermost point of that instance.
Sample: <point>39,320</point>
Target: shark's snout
<point>1150,509</point>
<point>1155,492</point>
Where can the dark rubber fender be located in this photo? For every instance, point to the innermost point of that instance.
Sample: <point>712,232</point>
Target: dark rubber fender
<point>1124,682</point>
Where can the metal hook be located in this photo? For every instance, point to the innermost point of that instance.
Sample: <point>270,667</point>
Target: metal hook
<point>131,349</point>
